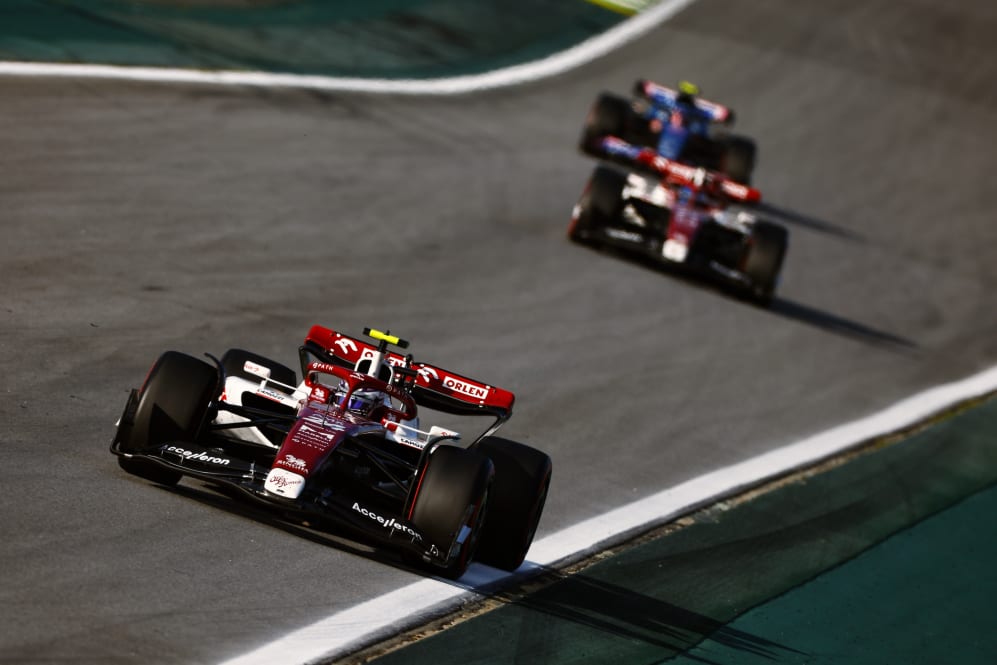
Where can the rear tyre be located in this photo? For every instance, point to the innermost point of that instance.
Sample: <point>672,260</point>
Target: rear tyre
<point>601,204</point>
<point>172,406</point>
<point>234,361</point>
<point>739,159</point>
<point>764,260</point>
<point>519,492</point>
<point>609,116</point>
<point>450,506</point>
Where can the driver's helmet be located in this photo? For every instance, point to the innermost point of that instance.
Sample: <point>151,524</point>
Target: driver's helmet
<point>362,402</point>
<point>687,93</point>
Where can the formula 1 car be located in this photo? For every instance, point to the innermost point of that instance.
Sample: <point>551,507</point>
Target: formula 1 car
<point>344,447</point>
<point>678,124</point>
<point>682,216</point>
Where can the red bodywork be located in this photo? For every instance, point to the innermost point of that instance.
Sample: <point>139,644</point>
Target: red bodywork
<point>689,214</point>
<point>323,424</point>
<point>429,377</point>
<point>710,182</point>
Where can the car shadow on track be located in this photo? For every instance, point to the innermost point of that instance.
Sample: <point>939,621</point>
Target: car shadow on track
<point>787,216</point>
<point>840,325</point>
<point>615,610</point>
<point>343,539</point>
<point>789,309</point>
<point>550,607</point>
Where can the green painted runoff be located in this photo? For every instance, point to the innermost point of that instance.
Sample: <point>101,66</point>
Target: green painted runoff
<point>394,39</point>
<point>887,558</point>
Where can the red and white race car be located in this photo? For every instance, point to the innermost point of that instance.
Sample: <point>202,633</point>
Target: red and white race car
<point>344,446</point>
<point>681,215</point>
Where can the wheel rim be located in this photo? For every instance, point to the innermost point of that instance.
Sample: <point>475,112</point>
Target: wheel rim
<point>466,540</point>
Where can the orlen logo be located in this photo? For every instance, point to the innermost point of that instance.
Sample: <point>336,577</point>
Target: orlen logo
<point>198,457</point>
<point>468,389</point>
<point>426,372</point>
<point>388,358</point>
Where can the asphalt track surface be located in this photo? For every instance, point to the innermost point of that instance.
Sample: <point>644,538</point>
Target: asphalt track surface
<point>141,217</point>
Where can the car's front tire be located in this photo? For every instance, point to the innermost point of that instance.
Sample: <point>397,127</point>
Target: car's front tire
<point>519,492</point>
<point>766,253</point>
<point>171,406</point>
<point>451,503</point>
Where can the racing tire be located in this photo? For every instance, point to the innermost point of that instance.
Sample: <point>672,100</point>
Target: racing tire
<point>519,492</point>
<point>600,205</point>
<point>609,116</point>
<point>763,263</point>
<point>171,406</point>
<point>234,361</point>
<point>739,158</point>
<point>451,503</point>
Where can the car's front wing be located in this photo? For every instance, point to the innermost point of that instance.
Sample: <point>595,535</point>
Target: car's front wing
<point>247,477</point>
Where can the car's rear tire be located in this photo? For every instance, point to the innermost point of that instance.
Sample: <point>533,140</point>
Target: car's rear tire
<point>451,502</point>
<point>600,205</point>
<point>608,116</point>
<point>739,158</point>
<point>172,406</point>
<point>519,492</point>
<point>766,253</point>
<point>234,362</point>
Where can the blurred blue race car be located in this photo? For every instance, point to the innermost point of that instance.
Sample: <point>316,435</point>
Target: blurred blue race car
<point>677,123</point>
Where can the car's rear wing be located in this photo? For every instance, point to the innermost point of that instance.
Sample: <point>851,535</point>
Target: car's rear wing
<point>647,160</point>
<point>692,176</point>
<point>665,96</point>
<point>431,386</point>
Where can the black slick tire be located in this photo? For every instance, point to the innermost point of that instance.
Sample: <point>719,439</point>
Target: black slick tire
<point>171,406</point>
<point>766,253</point>
<point>600,205</point>
<point>739,158</point>
<point>519,492</point>
<point>451,503</point>
<point>609,116</point>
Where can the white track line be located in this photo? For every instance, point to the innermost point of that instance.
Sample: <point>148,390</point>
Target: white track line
<point>558,63</point>
<point>409,606</point>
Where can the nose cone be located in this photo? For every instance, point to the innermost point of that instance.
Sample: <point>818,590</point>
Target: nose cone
<point>284,483</point>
